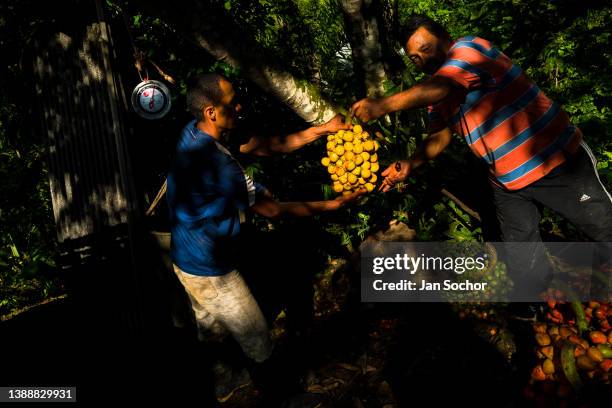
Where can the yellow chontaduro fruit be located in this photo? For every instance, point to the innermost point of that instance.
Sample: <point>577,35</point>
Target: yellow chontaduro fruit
<point>351,161</point>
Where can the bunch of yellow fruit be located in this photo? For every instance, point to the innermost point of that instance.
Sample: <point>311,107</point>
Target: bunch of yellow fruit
<point>351,160</point>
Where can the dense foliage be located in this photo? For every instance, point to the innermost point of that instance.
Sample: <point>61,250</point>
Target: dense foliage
<point>27,231</point>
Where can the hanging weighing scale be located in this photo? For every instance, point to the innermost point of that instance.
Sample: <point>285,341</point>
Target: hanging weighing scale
<point>151,99</point>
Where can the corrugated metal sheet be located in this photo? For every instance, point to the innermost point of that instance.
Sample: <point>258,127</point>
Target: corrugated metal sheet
<point>83,118</point>
<point>89,169</point>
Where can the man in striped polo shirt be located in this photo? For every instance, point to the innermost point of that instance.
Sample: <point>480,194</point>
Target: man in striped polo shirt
<point>536,156</point>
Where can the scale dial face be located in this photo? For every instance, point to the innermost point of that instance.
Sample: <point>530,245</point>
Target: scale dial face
<point>151,99</point>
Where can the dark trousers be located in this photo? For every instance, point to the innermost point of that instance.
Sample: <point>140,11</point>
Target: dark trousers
<point>573,190</point>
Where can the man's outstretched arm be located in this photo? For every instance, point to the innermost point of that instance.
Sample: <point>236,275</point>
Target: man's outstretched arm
<point>421,95</point>
<point>268,207</point>
<point>265,146</point>
<point>431,148</point>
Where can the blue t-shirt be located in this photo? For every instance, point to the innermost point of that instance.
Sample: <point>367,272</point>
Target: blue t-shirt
<point>207,193</point>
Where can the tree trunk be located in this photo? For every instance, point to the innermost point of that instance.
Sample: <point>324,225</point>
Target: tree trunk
<point>362,30</point>
<point>212,30</point>
<point>387,14</point>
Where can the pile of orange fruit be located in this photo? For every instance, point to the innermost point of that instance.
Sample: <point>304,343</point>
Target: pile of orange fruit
<point>574,347</point>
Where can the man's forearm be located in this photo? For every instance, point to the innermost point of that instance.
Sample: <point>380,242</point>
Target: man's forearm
<point>424,94</point>
<point>267,206</point>
<point>293,141</point>
<point>431,147</point>
<point>288,143</point>
<point>305,209</point>
<point>261,146</point>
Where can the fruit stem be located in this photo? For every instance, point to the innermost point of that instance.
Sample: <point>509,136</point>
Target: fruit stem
<point>568,363</point>
<point>581,322</point>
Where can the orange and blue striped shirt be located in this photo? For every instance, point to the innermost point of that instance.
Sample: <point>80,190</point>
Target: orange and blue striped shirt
<point>503,116</point>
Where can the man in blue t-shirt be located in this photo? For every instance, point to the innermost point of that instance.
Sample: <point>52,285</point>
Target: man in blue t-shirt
<point>208,193</point>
